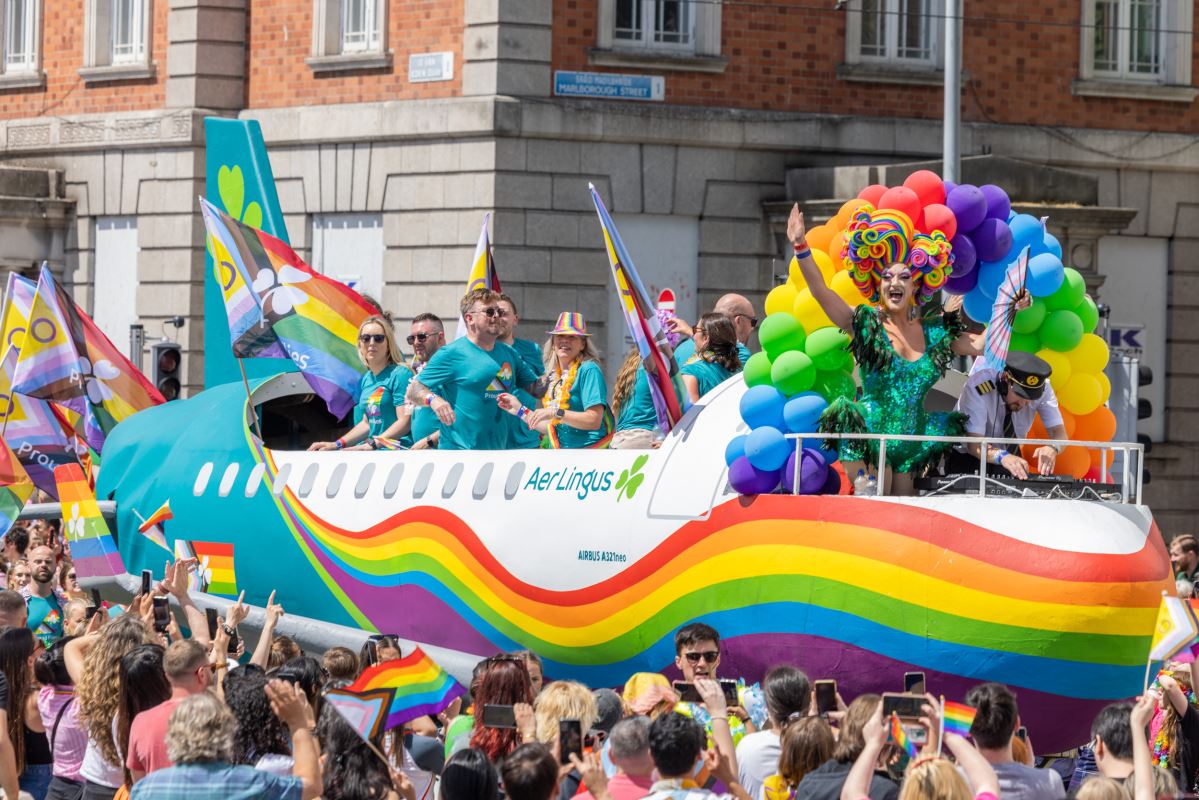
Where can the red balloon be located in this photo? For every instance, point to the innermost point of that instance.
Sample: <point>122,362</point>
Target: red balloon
<point>901,198</point>
<point>938,217</point>
<point>927,185</point>
<point>872,193</point>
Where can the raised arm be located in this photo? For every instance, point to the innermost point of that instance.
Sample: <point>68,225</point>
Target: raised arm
<point>1142,761</point>
<point>978,770</point>
<point>838,310</point>
<point>174,582</point>
<point>857,783</point>
<point>262,652</point>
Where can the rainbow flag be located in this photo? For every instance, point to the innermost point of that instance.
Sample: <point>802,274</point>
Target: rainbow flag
<point>418,685</point>
<point>957,717</point>
<point>482,270</point>
<point>1176,628</point>
<point>163,514</point>
<point>41,439</point>
<point>15,487</point>
<point>641,316</point>
<point>313,318</point>
<point>216,567</point>
<point>92,547</point>
<point>18,302</point>
<point>900,737</point>
<point>66,358</point>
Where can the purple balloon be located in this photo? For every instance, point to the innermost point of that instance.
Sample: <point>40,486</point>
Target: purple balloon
<point>964,255</point>
<point>961,284</point>
<point>992,239</point>
<point>832,485</point>
<point>999,206</point>
<point>969,206</point>
<point>813,472</point>
<point>747,479</point>
<point>949,187</point>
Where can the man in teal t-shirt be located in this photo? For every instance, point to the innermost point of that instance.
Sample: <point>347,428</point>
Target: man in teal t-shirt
<point>42,598</point>
<point>522,437</point>
<point>738,309</point>
<point>427,336</point>
<point>463,380</point>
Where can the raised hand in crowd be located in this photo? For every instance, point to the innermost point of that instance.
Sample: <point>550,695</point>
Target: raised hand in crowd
<point>526,722</point>
<point>591,770</point>
<point>274,613</point>
<point>175,583</point>
<point>1142,760</point>
<point>291,706</point>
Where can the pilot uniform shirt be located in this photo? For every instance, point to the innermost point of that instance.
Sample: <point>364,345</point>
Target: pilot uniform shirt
<point>984,405</point>
<point>470,379</point>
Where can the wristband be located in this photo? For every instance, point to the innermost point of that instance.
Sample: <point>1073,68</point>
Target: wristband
<point>429,398</point>
<point>802,250</point>
<point>372,443</point>
<point>340,443</point>
<point>1001,455</point>
<point>522,412</point>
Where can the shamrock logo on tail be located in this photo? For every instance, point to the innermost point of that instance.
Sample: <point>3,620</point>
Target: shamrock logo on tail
<point>231,186</point>
<point>630,480</point>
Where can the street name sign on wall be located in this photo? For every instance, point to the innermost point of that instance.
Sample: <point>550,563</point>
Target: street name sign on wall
<point>607,86</point>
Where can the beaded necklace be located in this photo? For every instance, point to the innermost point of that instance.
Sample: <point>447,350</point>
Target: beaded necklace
<point>559,394</point>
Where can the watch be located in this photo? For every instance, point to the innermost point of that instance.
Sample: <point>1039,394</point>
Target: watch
<point>560,413</point>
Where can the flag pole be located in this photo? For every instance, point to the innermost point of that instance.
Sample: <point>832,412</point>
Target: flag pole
<point>1148,665</point>
<point>941,735</point>
<point>246,383</point>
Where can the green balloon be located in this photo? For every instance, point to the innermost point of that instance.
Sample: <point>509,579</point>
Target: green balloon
<point>792,372</point>
<point>826,348</point>
<point>846,364</point>
<point>757,370</point>
<point>1025,342</point>
<point>1029,319</point>
<point>1070,293</point>
<point>1088,313</point>
<point>779,333</point>
<point>1062,331</point>
<point>831,384</point>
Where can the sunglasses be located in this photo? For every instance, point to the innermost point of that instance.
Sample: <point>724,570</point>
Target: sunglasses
<point>419,337</point>
<point>380,636</point>
<point>753,321</point>
<point>377,338</point>
<point>70,576</point>
<point>492,311</point>
<point>709,656</point>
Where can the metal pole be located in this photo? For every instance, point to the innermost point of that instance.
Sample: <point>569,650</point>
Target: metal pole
<point>951,150</point>
<point>137,345</point>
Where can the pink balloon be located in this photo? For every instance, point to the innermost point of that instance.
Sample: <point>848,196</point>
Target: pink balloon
<point>901,198</point>
<point>938,217</point>
<point>871,194</point>
<point>927,185</point>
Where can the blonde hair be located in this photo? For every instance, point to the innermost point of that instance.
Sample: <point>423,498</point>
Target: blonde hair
<point>68,607</point>
<point>393,349</point>
<point>626,379</point>
<point>1098,788</point>
<point>805,745</point>
<point>935,779</point>
<point>99,689</point>
<point>200,729</point>
<point>563,700</point>
<point>550,359</point>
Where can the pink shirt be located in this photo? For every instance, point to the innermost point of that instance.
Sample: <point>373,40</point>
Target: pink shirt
<point>148,739</point>
<point>70,743</point>
<point>623,787</point>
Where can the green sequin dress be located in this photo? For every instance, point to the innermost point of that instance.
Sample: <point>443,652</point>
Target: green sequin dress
<point>893,391</point>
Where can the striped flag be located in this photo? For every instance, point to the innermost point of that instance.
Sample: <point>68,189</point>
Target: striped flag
<point>18,303</point>
<point>366,712</point>
<point>15,487</point>
<point>418,686</point>
<point>482,270</point>
<point>900,737</point>
<point>1175,629</point>
<point>215,571</point>
<point>641,316</point>
<point>163,514</point>
<point>41,439</point>
<point>957,717</point>
<point>92,547</point>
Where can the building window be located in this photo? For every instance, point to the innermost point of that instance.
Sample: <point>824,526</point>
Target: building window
<point>1137,48</point>
<point>349,247</point>
<point>128,32</point>
<point>899,32</point>
<point>360,26</point>
<point>116,40</point>
<point>349,34</point>
<point>658,24</point>
<point>20,35</point>
<point>1129,39</point>
<point>669,34</point>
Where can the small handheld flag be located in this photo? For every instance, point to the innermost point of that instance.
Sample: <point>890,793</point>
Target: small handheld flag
<point>958,717</point>
<point>157,518</point>
<point>900,736</point>
<point>418,685</point>
<point>1175,629</point>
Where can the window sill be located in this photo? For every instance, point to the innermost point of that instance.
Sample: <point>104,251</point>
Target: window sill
<point>887,73</point>
<point>650,59</point>
<point>117,72</point>
<point>345,62</point>
<point>22,80</point>
<point>1133,90</point>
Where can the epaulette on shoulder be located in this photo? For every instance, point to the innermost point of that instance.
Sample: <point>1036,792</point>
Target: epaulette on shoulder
<point>986,387</point>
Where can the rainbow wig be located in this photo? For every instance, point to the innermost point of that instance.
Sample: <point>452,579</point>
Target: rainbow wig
<point>875,240</point>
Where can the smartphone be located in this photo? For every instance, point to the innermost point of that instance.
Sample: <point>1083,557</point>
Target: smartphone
<point>162,614</point>
<point>689,694</point>
<point>1022,734</point>
<point>570,739</point>
<point>499,717</point>
<point>826,696</point>
<point>234,641</point>
<point>913,683</point>
<point>96,601</point>
<point>212,622</point>
<point>906,706</point>
<point>147,579</point>
<point>372,653</point>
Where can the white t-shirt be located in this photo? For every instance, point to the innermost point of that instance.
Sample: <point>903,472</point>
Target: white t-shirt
<point>986,410</point>
<point>98,769</point>
<point>757,759</point>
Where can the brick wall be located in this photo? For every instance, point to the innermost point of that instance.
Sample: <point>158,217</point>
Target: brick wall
<point>280,38</point>
<point>62,55</point>
<point>783,58</point>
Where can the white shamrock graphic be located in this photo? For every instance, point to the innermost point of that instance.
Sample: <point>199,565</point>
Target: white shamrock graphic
<point>75,523</point>
<point>277,289</point>
<point>94,378</point>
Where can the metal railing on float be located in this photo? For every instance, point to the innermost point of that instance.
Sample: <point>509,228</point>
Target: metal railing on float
<point>1127,451</point>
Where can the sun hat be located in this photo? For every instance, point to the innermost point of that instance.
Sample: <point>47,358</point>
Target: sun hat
<point>570,323</point>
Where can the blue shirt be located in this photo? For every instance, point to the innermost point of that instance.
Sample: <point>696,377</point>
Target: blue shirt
<point>637,411</point>
<point>708,374</point>
<point>686,352</point>
<point>45,618</point>
<point>470,379</point>
<point>522,436</point>
<point>588,390</point>
<point>378,397</point>
<point>216,781</point>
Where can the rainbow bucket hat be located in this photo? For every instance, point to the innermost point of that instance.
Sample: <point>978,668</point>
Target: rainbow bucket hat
<point>570,323</point>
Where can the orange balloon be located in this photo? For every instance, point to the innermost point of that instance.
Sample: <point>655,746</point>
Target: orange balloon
<point>850,207</point>
<point>818,237</point>
<point>1098,426</point>
<point>835,246</point>
<point>1097,458</point>
<point>1070,422</point>
<point>1074,461</point>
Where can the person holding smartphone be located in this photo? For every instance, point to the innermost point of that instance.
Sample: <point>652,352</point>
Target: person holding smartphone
<point>697,655</point>
<point>995,723</point>
<point>788,696</point>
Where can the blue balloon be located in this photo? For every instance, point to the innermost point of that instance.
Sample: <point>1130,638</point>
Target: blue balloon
<point>802,412</point>
<point>767,449</point>
<point>1026,232</point>
<point>990,276</point>
<point>735,449</point>
<point>1011,215</point>
<point>978,306</point>
<point>1045,275</point>
<point>1048,244</point>
<point>818,445</point>
<point>763,406</point>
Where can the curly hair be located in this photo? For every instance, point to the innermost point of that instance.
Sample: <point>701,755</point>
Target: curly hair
<point>99,690</point>
<point>563,700</point>
<point>505,682</point>
<point>875,240</point>
<point>200,730</point>
<point>259,732</point>
<point>143,685</point>
<point>626,380</point>
<point>351,769</point>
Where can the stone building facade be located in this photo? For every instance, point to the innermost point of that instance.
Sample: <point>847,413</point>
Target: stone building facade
<point>384,174</point>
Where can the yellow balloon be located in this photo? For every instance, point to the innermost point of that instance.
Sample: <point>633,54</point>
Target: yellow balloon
<point>823,263</point>
<point>846,289</point>
<point>1105,387</point>
<point>809,313</point>
<point>1082,394</point>
<point>781,298</point>
<point>1090,355</point>
<point>1062,368</point>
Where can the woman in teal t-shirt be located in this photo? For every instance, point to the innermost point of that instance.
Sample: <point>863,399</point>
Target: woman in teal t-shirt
<point>381,419</point>
<point>574,411</point>
<point>716,348</point>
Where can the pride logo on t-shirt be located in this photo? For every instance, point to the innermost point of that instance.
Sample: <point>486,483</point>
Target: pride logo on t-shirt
<point>374,402</point>
<point>502,380</point>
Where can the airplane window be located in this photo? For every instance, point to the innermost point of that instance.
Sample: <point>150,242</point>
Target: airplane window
<point>392,485</point>
<point>451,480</point>
<point>202,479</point>
<point>308,480</point>
<point>255,479</point>
<point>422,481</point>
<point>364,481</point>
<point>339,474</point>
<point>227,480</point>
<point>280,482</point>
<point>481,481</point>
<point>513,483</point>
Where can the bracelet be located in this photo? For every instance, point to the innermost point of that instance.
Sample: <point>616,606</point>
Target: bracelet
<point>1001,455</point>
<point>340,443</point>
<point>429,398</point>
<point>228,630</point>
<point>522,412</point>
<point>802,251</point>
<point>374,445</point>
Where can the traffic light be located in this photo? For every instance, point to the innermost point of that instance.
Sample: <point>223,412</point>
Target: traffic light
<point>1144,411</point>
<point>166,360</point>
